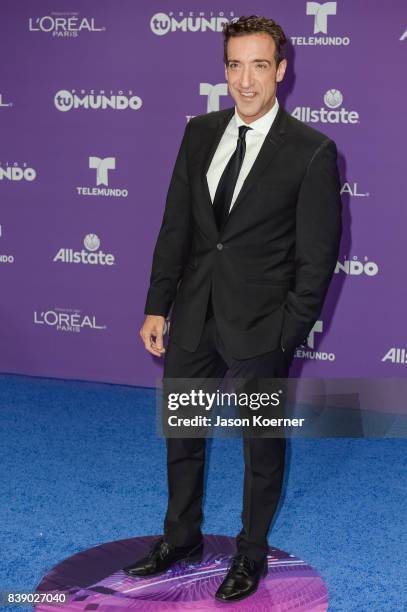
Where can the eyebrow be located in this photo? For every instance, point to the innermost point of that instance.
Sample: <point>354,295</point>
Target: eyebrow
<point>253,61</point>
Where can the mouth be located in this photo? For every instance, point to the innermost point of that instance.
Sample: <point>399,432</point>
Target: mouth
<point>247,95</point>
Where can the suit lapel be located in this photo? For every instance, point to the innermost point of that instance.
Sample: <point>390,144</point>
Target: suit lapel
<point>209,146</point>
<point>269,148</point>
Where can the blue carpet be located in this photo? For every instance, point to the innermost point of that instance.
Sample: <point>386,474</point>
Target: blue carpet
<point>82,464</point>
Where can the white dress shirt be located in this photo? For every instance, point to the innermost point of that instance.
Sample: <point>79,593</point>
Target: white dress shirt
<point>227,145</point>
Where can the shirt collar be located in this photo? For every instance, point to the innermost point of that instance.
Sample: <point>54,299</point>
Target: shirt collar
<point>263,124</point>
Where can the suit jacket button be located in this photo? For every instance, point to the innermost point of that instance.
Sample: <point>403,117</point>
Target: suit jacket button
<point>219,246</point>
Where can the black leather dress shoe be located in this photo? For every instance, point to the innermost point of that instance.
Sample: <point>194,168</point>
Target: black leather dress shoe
<point>161,556</point>
<point>242,579</point>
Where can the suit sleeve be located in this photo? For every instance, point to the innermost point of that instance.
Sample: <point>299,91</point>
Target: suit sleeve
<point>173,240</point>
<point>318,234</point>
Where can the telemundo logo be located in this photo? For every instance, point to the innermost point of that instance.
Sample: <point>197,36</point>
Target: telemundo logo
<point>333,100</point>
<point>102,165</point>
<point>213,94</point>
<point>320,11</point>
<point>308,351</point>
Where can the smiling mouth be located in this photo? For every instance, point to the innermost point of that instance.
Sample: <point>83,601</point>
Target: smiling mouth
<point>247,95</point>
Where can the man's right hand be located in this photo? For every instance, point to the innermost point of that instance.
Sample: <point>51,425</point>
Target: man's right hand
<point>152,334</point>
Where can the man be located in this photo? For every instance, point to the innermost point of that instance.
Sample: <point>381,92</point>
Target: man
<point>246,251</point>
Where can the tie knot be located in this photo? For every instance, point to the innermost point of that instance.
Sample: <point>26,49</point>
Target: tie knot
<point>242,131</point>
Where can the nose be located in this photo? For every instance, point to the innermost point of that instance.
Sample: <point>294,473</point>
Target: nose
<point>246,77</point>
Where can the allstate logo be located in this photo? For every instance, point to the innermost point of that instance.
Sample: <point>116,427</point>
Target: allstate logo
<point>91,242</point>
<point>333,98</point>
<point>333,112</point>
<point>160,24</point>
<point>396,355</point>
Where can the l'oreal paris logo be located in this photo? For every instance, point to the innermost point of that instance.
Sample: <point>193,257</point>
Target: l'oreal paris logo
<point>63,26</point>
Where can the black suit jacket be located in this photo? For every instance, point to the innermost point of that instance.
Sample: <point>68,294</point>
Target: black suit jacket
<point>271,265</point>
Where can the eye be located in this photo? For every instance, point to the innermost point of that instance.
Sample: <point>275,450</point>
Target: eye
<point>261,66</point>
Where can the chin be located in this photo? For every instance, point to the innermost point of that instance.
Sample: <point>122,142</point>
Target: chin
<point>248,112</point>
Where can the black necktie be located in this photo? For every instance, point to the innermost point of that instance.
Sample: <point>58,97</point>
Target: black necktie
<point>227,182</point>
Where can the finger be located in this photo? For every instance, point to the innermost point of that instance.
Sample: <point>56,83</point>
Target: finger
<point>159,344</point>
<point>157,348</point>
<point>150,346</point>
<point>153,351</point>
<point>147,340</point>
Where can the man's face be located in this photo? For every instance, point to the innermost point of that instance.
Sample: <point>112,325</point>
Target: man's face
<point>252,74</point>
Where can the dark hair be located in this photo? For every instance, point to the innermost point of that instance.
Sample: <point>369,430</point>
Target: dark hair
<point>254,25</point>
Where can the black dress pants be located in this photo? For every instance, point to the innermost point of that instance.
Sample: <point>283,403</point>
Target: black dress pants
<point>264,457</point>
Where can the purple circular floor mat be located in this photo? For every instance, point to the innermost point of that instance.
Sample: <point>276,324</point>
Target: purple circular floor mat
<point>93,580</point>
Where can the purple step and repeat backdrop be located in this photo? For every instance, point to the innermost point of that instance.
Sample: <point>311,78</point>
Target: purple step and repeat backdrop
<point>94,98</point>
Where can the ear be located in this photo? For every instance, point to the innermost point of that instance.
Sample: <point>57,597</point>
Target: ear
<point>226,72</point>
<point>281,70</point>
